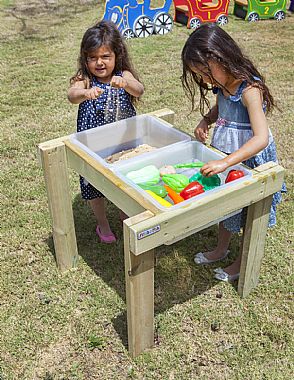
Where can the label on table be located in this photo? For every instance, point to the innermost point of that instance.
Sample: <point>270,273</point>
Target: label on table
<point>150,231</point>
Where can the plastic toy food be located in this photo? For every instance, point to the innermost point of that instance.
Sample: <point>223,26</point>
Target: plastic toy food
<point>157,189</point>
<point>174,196</point>
<point>167,169</point>
<point>197,164</point>
<point>207,182</point>
<point>160,200</point>
<point>193,189</point>
<point>176,182</point>
<point>149,175</point>
<point>234,174</point>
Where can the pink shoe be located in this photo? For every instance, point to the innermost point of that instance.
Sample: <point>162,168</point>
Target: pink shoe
<point>108,239</point>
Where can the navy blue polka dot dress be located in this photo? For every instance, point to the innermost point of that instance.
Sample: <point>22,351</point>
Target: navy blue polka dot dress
<point>113,104</point>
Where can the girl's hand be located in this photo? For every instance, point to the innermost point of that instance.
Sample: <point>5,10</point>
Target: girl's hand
<point>118,82</point>
<point>93,93</point>
<point>214,167</point>
<point>201,131</point>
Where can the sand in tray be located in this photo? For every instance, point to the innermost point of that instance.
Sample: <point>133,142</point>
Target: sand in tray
<point>112,108</point>
<point>129,153</point>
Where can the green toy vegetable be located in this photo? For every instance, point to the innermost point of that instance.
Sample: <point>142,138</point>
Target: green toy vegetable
<point>198,164</point>
<point>193,189</point>
<point>207,182</point>
<point>176,182</point>
<point>157,189</point>
<point>149,175</point>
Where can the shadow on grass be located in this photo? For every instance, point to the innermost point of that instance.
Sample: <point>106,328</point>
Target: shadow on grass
<point>177,278</point>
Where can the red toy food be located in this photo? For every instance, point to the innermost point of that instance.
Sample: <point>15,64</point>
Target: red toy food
<point>194,188</point>
<point>234,174</point>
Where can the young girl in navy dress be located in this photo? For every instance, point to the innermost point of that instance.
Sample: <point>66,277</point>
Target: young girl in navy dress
<point>213,61</point>
<point>103,62</point>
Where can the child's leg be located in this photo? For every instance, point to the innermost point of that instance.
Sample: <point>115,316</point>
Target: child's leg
<point>98,207</point>
<point>224,237</point>
<point>234,268</point>
<point>122,215</point>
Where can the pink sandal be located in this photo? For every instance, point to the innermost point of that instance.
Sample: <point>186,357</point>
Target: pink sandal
<point>108,239</point>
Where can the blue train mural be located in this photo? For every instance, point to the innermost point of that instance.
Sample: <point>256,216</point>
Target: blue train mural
<point>135,18</point>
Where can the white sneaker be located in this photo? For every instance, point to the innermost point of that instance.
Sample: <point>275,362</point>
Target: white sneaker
<point>221,275</point>
<point>200,259</point>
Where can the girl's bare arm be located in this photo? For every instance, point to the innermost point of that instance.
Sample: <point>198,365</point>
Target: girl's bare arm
<point>129,83</point>
<point>77,93</point>
<point>201,130</point>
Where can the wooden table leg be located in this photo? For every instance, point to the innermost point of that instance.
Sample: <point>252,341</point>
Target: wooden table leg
<point>53,157</point>
<point>139,274</point>
<point>253,244</point>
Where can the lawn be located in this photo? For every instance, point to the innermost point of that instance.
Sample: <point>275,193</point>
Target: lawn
<point>72,326</point>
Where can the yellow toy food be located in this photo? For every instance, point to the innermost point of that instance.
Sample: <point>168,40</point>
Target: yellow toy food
<point>160,200</point>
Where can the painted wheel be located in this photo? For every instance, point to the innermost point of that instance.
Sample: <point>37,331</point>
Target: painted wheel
<point>195,23</point>
<point>128,34</point>
<point>222,20</point>
<point>280,15</point>
<point>253,17</point>
<point>143,26</point>
<point>163,23</point>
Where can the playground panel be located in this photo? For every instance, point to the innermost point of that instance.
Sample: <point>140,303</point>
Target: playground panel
<point>255,10</point>
<point>195,12</point>
<point>135,18</point>
<point>256,193</point>
<point>138,18</point>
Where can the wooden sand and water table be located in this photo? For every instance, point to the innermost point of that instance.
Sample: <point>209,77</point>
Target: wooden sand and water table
<point>150,225</point>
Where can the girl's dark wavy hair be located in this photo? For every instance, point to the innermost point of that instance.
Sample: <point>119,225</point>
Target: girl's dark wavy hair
<point>103,33</point>
<point>212,43</point>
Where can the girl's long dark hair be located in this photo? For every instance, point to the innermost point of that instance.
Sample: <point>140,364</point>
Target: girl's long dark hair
<point>103,33</point>
<point>212,43</point>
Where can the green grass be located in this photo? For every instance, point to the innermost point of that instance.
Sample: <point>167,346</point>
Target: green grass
<point>73,326</point>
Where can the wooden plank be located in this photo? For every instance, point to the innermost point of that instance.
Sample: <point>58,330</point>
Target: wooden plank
<point>117,191</point>
<point>139,276</point>
<point>53,158</point>
<point>164,114</point>
<point>253,245</point>
<point>178,222</point>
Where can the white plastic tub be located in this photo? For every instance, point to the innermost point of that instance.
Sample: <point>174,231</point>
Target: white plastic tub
<point>177,154</point>
<point>106,140</point>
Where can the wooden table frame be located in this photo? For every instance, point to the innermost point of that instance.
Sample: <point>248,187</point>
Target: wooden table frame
<point>158,226</point>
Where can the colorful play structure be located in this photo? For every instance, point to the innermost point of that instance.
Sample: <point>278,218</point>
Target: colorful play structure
<point>255,10</point>
<point>195,12</point>
<point>138,18</point>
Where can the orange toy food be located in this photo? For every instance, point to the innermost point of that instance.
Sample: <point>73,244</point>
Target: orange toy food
<point>174,196</point>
